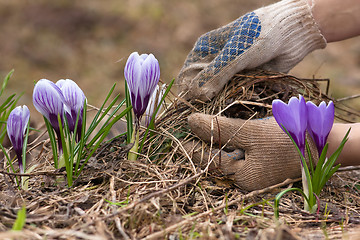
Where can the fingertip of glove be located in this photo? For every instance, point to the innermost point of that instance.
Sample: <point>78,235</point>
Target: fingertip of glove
<point>196,121</point>
<point>198,118</point>
<point>192,117</point>
<point>189,146</point>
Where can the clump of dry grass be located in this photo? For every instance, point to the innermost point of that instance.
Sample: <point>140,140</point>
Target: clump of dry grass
<point>164,195</point>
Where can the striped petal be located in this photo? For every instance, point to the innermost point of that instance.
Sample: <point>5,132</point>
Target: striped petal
<point>142,74</point>
<point>16,126</point>
<point>74,99</point>
<point>49,101</point>
<point>154,103</point>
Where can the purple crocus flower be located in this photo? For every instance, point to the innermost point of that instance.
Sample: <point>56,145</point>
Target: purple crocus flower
<point>74,99</point>
<point>16,127</point>
<point>293,116</point>
<point>142,74</point>
<point>49,101</point>
<point>320,121</point>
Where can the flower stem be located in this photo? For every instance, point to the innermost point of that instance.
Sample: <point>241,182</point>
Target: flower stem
<point>19,157</point>
<point>61,159</point>
<point>21,167</point>
<point>134,139</point>
<point>305,188</point>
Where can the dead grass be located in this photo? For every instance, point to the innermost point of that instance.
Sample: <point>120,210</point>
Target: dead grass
<point>164,195</point>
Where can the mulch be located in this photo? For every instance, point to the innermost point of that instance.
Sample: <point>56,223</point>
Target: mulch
<point>164,195</point>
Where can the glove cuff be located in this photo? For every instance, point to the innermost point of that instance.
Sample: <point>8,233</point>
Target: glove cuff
<point>290,22</point>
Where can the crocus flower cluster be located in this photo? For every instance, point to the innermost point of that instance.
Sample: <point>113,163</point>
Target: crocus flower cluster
<point>298,116</point>
<point>64,98</point>
<point>16,127</point>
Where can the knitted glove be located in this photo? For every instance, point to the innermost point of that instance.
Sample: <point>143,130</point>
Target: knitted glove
<point>276,38</point>
<point>270,156</point>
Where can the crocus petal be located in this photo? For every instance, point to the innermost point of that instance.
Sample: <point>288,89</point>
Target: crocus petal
<point>154,103</point>
<point>132,71</point>
<point>293,116</point>
<point>142,74</point>
<point>74,99</point>
<point>320,122</point>
<point>73,95</point>
<point>151,74</point>
<point>49,101</point>
<point>16,126</point>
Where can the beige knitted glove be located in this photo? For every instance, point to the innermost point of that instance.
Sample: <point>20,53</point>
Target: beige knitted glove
<point>276,38</point>
<point>270,156</point>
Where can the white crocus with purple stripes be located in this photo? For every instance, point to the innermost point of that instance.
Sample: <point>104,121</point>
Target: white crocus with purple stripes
<point>49,101</point>
<point>142,74</point>
<point>74,99</point>
<point>16,127</point>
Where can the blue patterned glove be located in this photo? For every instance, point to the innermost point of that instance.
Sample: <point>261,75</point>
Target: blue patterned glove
<point>275,37</point>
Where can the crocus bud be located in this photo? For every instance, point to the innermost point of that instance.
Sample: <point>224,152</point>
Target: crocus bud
<point>49,101</point>
<point>154,103</point>
<point>142,74</point>
<point>74,99</point>
<point>16,127</point>
<point>320,122</point>
<point>293,116</point>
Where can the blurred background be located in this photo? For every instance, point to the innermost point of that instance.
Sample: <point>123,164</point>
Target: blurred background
<point>89,42</point>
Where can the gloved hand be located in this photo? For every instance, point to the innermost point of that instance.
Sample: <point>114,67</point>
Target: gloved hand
<point>270,156</point>
<point>275,37</point>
